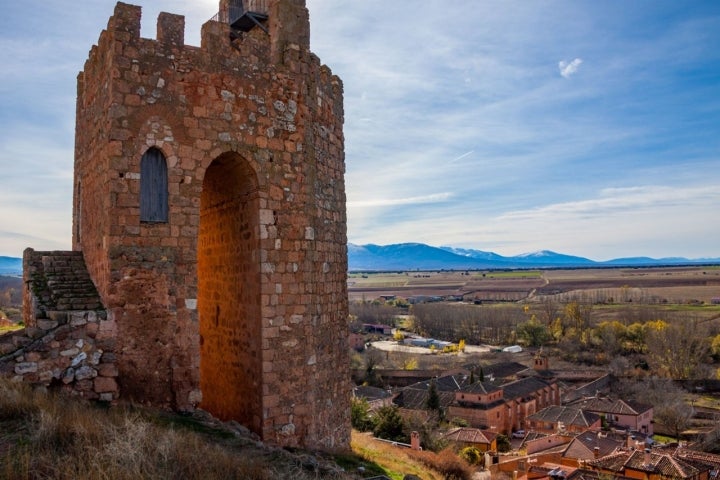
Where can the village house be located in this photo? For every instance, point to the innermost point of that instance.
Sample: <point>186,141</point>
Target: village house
<point>356,341</point>
<point>535,442</point>
<point>493,404</point>
<point>377,328</point>
<point>656,465</point>
<point>375,397</point>
<point>412,399</point>
<point>557,418</point>
<point>503,408</point>
<point>619,414</point>
<point>591,445</point>
<point>483,440</point>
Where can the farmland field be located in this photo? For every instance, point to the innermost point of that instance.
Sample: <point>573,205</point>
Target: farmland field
<point>685,286</point>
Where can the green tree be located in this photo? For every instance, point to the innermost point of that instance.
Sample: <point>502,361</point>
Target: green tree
<point>610,336</point>
<point>578,316</point>
<point>533,333</point>
<point>432,402</point>
<point>410,363</point>
<point>372,360</point>
<point>503,443</point>
<point>635,336</point>
<point>360,415</point>
<point>472,455</point>
<point>715,347</point>
<point>389,424</point>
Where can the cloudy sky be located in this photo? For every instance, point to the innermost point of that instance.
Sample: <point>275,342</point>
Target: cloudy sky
<point>584,127</point>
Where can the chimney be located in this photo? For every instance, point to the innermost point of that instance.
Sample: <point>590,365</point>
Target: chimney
<point>631,442</point>
<point>541,363</point>
<point>646,459</point>
<point>596,452</point>
<point>415,441</point>
<point>514,477</point>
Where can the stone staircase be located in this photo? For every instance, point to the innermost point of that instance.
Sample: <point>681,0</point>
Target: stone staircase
<point>59,284</point>
<point>67,340</point>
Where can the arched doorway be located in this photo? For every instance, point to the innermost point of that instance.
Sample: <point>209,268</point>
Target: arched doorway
<point>229,292</point>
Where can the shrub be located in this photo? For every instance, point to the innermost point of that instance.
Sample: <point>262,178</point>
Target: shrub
<point>360,415</point>
<point>503,443</point>
<point>471,455</point>
<point>449,465</point>
<point>389,424</point>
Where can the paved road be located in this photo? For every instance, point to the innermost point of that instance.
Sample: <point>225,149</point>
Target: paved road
<point>393,346</point>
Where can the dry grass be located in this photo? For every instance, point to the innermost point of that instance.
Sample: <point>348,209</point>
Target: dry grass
<point>47,436</point>
<point>396,462</point>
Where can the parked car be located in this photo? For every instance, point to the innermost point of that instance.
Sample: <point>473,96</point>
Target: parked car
<point>518,434</point>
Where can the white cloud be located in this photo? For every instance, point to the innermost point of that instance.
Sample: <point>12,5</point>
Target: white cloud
<point>387,202</point>
<point>657,221</point>
<point>569,68</point>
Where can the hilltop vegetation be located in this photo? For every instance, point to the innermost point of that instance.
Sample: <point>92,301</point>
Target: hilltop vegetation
<point>43,435</point>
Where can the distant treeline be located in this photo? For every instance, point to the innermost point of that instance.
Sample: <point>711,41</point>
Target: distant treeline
<point>10,292</point>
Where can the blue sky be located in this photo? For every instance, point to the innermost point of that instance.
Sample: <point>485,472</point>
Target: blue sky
<point>589,128</point>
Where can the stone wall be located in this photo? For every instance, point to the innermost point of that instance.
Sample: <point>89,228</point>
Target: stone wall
<point>237,303</point>
<point>68,340</point>
<point>69,355</point>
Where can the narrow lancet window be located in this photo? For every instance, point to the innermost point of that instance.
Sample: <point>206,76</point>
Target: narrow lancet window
<point>153,187</point>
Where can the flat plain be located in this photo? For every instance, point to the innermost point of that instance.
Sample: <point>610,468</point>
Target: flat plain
<point>685,285</point>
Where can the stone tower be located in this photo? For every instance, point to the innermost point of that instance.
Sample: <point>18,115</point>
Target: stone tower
<point>209,205</point>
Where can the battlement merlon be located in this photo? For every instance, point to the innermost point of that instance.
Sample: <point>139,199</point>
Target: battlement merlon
<point>288,26</point>
<point>171,29</point>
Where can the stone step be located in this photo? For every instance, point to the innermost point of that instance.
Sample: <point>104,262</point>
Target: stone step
<point>61,282</point>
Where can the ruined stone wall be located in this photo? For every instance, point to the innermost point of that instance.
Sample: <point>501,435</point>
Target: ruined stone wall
<point>68,341</point>
<point>67,352</point>
<point>242,312</point>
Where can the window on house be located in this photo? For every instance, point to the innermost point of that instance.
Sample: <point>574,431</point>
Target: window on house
<point>153,187</point>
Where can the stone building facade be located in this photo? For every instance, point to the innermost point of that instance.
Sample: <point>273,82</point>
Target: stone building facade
<point>209,206</point>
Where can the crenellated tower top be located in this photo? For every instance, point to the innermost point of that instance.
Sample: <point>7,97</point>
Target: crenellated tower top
<point>287,22</point>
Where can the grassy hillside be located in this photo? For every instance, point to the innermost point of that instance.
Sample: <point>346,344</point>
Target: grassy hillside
<point>46,435</point>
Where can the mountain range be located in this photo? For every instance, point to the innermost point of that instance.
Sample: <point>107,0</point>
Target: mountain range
<point>418,256</point>
<point>10,266</point>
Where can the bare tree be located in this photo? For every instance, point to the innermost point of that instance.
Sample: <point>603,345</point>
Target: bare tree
<point>678,349</point>
<point>549,310</point>
<point>373,312</point>
<point>671,411</point>
<point>675,417</point>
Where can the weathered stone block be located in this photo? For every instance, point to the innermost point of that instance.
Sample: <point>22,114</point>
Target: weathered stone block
<point>78,318</point>
<point>21,341</point>
<point>85,372</point>
<point>68,376</point>
<point>105,385</point>
<point>71,352</point>
<point>34,333</point>
<point>6,348</point>
<point>24,368</point>
<point>59,317</point>
<point>107,370</point>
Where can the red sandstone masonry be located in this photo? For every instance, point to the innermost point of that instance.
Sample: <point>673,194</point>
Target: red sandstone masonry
<point>238,303</point>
